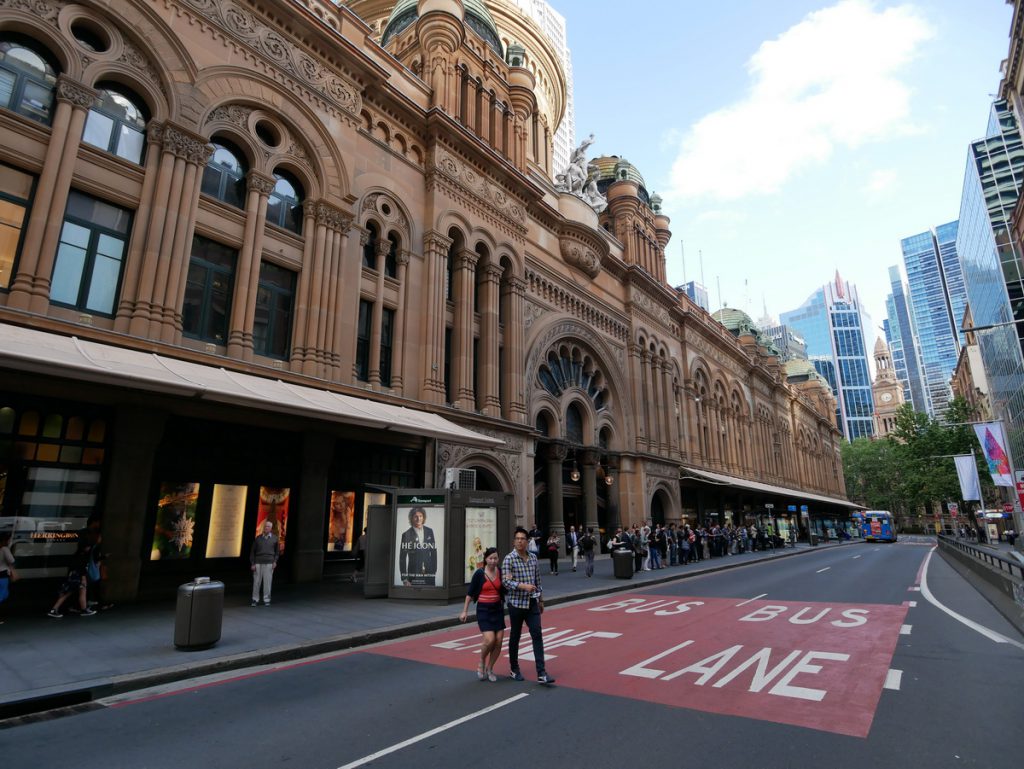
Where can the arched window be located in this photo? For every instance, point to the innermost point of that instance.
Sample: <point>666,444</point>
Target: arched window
<point>391,261</point>
<point>370,247</point>
<point>284,208</point>
<point>28,76</point>
<point>224,175</point>
<point>574,424</point>
<point>117,124</point>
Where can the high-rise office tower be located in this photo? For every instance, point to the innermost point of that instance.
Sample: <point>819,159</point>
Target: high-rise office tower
<point>902,341</point>
<point>832,324</point>
<point>552,23</point>
<point>790,344</point>
<point>697,293</point>
<point>992,263</point>
<point>937,303</point>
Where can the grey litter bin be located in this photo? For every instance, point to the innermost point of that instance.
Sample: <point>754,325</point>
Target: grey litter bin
<point>814,540</point>
<point>199,614</point>
<point>622,562</point>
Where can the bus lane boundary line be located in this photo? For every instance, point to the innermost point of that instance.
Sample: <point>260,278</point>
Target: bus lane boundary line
<point>436,730</point>
<point>992,635</point>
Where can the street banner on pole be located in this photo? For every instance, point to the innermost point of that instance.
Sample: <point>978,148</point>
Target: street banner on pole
<point>993,443</point>
<point>967,472</point>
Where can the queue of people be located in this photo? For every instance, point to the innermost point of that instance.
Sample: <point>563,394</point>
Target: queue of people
<point>658,547</point>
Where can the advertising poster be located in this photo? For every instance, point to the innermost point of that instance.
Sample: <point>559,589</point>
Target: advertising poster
<point>341,517</point>
<point>227,517</point>
<point>481,533</point>
<point>419,541</point>
<point>175,521</point>
<point>274,508</point>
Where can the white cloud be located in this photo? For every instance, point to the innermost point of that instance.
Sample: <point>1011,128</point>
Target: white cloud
<point>880,182</point>
<point>830,81</point>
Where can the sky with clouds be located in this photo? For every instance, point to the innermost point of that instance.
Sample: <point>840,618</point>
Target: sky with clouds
<point>790,139</point>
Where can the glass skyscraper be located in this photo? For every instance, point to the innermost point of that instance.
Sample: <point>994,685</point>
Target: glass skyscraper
<point>697,293</point>
<point>832,324</point>
<point>992,264</point>
<point>902,341</point>
<point>937,303</point>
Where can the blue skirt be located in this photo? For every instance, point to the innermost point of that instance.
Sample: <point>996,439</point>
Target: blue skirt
<point>490,617</point>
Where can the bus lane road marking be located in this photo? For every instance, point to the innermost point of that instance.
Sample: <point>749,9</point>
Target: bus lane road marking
<point>816,665</point>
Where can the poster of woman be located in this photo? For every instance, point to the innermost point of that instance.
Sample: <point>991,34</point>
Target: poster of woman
<point>481,533</point>
<point>339,533</point>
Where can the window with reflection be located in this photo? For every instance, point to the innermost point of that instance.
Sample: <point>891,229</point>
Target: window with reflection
<point>15,195</point>
<point>387,335</point>
<point>117,124</point>
<point>370,246</point>
<point>87,271</point>
<point>28,76</point>
<point>275,298</point>
<point>224,175</point>
<point>391,261</point>
<point>211,278</point>
<point>363,341</point>
<point>284,208</point>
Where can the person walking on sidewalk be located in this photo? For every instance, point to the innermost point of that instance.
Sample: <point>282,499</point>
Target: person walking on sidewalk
<point>486,589</point>
<point>7,572</point>
<point>77,580</point>
<point>263,560</point>
<point>572,542</point>
<point>587,543</point>
<point>552,549</point>
<point>525,604</point>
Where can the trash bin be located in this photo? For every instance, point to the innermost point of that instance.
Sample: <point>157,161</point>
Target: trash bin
<point>199,614</point>
<point>622,563</point>
<point>814,540</point>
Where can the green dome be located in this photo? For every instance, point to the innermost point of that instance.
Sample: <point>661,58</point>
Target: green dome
<point>477,18</point>
<point>801,368</point>
<point>611,169</point>
<point>735,320</point>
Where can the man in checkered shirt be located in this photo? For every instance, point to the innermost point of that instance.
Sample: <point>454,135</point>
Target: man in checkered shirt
<point>521,581</point>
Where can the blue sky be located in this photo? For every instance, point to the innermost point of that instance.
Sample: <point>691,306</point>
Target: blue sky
<point>790,139</point>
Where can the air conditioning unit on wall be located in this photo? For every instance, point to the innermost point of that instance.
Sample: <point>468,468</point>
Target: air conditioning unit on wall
<point>459,479</point>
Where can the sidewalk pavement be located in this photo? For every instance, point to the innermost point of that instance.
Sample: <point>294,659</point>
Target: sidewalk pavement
<point>48,663</point>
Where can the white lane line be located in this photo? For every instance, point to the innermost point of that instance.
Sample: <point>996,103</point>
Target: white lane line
<point>992,635</point>
<point>913,589</point>
<point>856,557</point>
<point>893,679</point>
<point>752,599</point>
<point>905,629</point>
<point>819,571</point>
<point>431,733</point>
<point>912,604</point>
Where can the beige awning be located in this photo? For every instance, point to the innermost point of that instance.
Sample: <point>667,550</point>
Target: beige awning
<point>42,352</point>
<point>743,483</point>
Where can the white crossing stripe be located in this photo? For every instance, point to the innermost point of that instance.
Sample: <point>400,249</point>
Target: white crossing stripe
<point>912,604</point>
<point>752,599</point>
<point>856,557</point>
<point>825,569</point>
<point>905,629</point>
<point>893,679</point>
<point>913,589</point>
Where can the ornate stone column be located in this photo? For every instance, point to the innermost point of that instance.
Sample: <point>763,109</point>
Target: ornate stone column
<point>489,287</point>
<point>243,310</point>
<point>516,350</point>
<point>555,454</point>
<point>590,458</point>
<point>300,331</point>
<point>462,331</point>
<point>30,289</point>
<point>401,317</point>
<point>435,252</point>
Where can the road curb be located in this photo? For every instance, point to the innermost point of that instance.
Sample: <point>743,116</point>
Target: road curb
<point>81,696</point>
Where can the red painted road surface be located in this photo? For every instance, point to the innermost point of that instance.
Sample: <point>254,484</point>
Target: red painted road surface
<point>816,665</point>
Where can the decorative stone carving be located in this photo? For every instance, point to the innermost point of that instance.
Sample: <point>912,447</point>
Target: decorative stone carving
<point>230,113</point>
<point>652,308</point>
<point>185,144</point>
<point>74,92</point>
<point>471,181</point>
<point>580,179</point>
<point>257,182</point>
<point>43,9</point>
<point>271,45</point>
<point>138,61</point>
<point>385,208</point>
<point>331,216</point>
<point>580,256</point>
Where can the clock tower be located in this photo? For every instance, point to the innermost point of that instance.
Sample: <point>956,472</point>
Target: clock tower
<point>887,391</point>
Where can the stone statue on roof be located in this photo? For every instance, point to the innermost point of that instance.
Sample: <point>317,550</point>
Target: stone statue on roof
<point>580,180</point>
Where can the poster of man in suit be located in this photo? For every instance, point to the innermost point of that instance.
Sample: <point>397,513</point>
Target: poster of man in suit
<point>420,546</point>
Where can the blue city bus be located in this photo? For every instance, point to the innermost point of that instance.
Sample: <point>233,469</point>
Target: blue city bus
<point>877,526</point>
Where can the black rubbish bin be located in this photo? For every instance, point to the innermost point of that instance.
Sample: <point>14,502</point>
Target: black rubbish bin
<point>814,540</point>
<point>622,562</point>
<point>199,614</point>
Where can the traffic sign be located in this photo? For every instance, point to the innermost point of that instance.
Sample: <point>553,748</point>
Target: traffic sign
<point>769,506</point>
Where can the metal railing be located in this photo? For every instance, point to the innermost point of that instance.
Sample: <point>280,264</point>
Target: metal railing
<point>1012,567</point>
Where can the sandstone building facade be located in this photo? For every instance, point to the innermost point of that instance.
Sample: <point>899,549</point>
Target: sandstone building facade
<point>277,256</point>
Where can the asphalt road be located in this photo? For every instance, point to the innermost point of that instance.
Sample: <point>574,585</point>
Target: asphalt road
<point>818,660</point>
